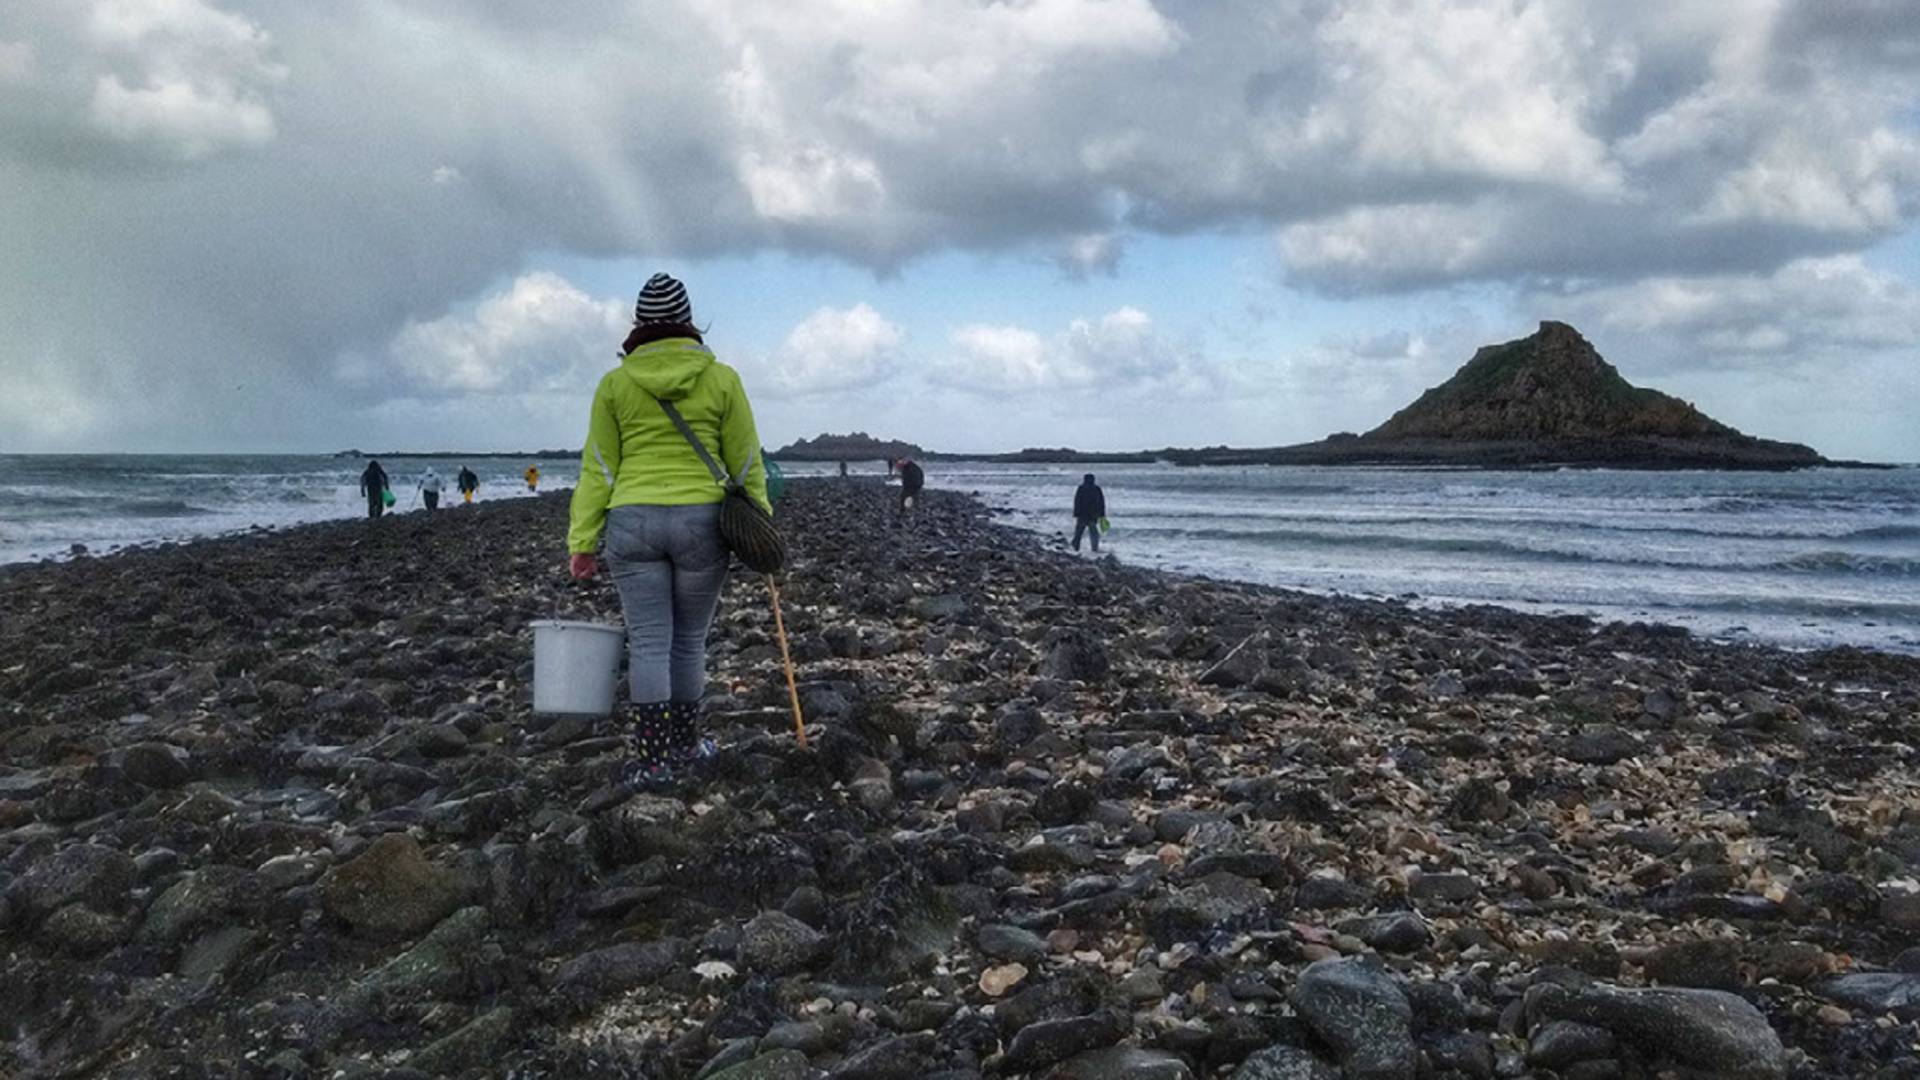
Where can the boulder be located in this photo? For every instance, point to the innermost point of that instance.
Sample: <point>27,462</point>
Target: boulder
<point>1219,899</point>
<point>390,891</point>
<point>1708,1030</point>
<point>1357,1009</point>
<point>90,874</point>
<point>619,968</point>
<point>778,944</point>
<point>1050,1042</point>
<point>1075,655</point>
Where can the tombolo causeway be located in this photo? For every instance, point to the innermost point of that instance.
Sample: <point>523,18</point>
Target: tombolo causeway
<point>274,806</point>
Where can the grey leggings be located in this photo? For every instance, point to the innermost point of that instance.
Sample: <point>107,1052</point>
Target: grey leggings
<point>669,565</point>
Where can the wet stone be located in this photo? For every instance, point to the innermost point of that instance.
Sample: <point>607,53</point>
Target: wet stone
<point>1357,1009</point>
<point>1700,1029</point>
<point>1443,888</point>
<point>1320,893</point>
<point>1008,943</point>
<point>1122,1063</point>
<point>1709,964</point>
<point>778,943</point>
<point>1284,1063</point>
<point>1560,1043</point>
<point>1394,932</point>
<point>390,890</point>
<point>1216,901</point>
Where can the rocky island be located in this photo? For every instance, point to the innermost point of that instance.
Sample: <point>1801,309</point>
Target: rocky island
<point>1546,399</point>
<point>858,446</point>
<point>275,806</point>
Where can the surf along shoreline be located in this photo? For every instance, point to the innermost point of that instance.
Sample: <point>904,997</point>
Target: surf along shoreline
<point>278,797</point>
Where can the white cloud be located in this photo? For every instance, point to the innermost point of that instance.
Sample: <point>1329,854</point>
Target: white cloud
<point>1120,351</point>
<point>199,76</point>
<point>1819,310</point>
<point>540,333</point>
<point>836,349</point>
<point>1373,245</point>
<point>1486,88</point>
<point>184,119</point>
<point>1004,358</point>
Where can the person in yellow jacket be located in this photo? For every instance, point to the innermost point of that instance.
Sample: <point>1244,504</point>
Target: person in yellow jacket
<point>533,478</point>
<point>644,487</point>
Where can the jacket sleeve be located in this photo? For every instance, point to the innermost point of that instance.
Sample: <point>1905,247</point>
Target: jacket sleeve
<point>740,440</point>
<point>1099,503</point>
<point>599,468</point>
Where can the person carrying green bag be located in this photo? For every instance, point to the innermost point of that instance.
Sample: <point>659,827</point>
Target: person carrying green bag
<point>1089,512</point>
<point>373,484</point>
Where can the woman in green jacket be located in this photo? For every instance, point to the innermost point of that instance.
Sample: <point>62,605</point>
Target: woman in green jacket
<point>644,487</point>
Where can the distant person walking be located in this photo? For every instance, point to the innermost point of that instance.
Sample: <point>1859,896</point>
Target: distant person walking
<point>843,470</point>
<point>1089,506</point>
<point>469,484</point>
<point>533,478</point>
<point>373,484</point>
<point>643,486</point>
<point>430,490</point>
<point>912,479</point>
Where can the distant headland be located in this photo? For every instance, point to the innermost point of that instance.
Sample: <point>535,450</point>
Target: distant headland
<point>1546,400</point>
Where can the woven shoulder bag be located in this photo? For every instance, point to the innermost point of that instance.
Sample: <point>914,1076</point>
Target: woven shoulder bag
<point>746,529</point>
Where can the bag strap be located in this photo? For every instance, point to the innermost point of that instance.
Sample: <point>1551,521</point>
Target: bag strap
<point>719,473</point>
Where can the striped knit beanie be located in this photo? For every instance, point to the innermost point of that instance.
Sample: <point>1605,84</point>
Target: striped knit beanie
<point>663,300</point>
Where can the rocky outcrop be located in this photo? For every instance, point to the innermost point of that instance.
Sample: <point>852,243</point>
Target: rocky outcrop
<point>858,446</point>
<point>1545,399</point>
<point>1552,385</point>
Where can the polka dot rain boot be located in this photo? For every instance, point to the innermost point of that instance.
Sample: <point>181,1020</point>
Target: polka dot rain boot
<point>685,744</point>
<point>652,741</point>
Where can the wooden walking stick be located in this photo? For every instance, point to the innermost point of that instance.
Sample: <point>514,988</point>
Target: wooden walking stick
<point>793,692</point>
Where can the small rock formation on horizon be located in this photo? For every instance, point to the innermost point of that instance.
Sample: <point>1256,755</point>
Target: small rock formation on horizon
<point>858,446</point>
<point>1552,385</point>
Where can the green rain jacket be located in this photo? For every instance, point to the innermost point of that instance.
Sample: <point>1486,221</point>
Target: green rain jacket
<point>634,454</point>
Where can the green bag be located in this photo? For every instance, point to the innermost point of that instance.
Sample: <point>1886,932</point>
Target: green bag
<point>1104,526</point>
<point>386,497</point>
<point>776,479</point>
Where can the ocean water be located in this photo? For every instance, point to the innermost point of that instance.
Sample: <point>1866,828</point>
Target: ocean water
<point>1803,559</point>
<point>50,502</point>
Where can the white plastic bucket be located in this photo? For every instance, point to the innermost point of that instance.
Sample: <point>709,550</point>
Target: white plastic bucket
<point>576,667</point>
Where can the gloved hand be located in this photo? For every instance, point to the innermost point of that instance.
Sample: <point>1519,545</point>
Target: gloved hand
<point>582,566</point>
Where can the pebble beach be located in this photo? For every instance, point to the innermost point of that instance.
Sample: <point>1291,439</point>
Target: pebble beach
<point>276,805</point>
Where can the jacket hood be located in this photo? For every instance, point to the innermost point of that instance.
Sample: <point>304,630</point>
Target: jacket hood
<point>667,369</point>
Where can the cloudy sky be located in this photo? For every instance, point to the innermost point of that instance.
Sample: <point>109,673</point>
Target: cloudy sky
<point>977,224</point>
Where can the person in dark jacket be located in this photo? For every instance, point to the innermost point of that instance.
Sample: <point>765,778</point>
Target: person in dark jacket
<point>1089,506</point>
<point>469,483</point>
<point>373,484</point>
<point>912,479</point>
